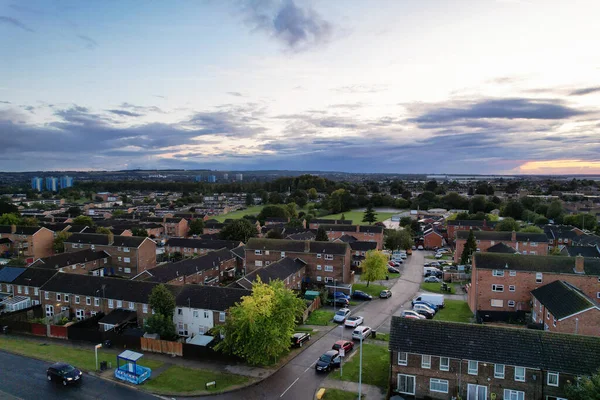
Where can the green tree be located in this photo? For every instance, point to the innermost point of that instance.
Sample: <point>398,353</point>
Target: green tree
<point>477,204</point>
<point>176,256</point>
<point>342,217</point>
<point>585,388</point>
<point>398,239</point>
<point>75,211</point>
<point>118,213</point>
<point>29,221</point>
<point>321,235</point>
<point>532,229</point>
<point>9,219</point>
<point>555,210</point>
<point>103,230</point>
<point>249,199</point>
<point>312,193</point>
<point>240,229</point>
<point>273,211</point>
<point>275,198</point>
<point>370,216</point>
<point>196,227</point>
<point>555,252</point>
<point>291,209</point>
<point>161,325</point>
<point>258,329</point>
<point>139,232</point>
<point>374,266</point>
<point>405,221</point>
<point>8,208</point>
<point>58,245</point>
<point>507,225</point>
<point>162,301</point>
<point>83,220</point>
<point>513,209</point>
<point>274,234</point>
<point>581,221</point>
<point>470,247</point>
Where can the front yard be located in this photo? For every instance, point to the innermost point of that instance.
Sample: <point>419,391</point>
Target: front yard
<point>319,317</point>
<point>375,369</point>
<point>445,257</point>
<point>178,379</point>
<point>436,288</point>
<point>337,394</point>
<point>455,311</point>
<point>253,210</point>
<point>373,288</point>
<point>357,216</point>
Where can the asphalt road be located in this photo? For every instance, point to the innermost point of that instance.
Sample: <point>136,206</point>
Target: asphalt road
<point>25,378</point>
<point>298,379</point>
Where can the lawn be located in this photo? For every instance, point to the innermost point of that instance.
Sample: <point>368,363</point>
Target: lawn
<point>383,336</point>
<point>337,394</point>
<point>81,358</point>
<point>446,257</point>
<point>177,379</point>
<point>319,317</point>
<point>357,216</point>
<point>254,210</point>
<point>435,288</point>
<point>393,275</point>
<point>376,362</point>
<point>373,288</point>
<point>455,311</point>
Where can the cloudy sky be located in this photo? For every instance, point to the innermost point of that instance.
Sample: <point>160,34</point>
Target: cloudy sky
<point>481,86</point>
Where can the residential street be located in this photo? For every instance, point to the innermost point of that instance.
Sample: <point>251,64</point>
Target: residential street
<point>298,379</point>
<point>25,378</point>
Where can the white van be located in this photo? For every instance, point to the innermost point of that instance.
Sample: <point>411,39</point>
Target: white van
<point>431,270</point>
<point>435,299</point>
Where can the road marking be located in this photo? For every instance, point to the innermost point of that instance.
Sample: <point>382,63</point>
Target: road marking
<point>289,387</point>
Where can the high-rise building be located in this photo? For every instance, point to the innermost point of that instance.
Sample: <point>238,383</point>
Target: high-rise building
<point>239,177</point>
<point>66,182</point>
<point>211,179</point>
<point>225,177</point>
<point>52,183</point>
<point>36,184</point>
<point>198,178</point>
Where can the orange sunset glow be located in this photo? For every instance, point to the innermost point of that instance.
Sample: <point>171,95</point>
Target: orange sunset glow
<point>560,167</point>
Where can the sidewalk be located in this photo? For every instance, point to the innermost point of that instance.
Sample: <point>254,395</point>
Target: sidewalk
<point>370,392</point>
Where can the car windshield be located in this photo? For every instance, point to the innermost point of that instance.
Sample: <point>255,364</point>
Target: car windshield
<point>336,346</point>
<point>340,312</point>
<point>325,358</point>
<point>67,368</point>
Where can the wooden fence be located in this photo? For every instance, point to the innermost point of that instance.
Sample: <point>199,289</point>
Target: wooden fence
<point>162,346</point>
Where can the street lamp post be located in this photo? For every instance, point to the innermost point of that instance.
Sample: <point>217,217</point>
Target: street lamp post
<point>360,370</point>
<point>342,349</point>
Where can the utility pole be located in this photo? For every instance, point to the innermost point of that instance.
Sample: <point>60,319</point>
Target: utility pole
<point>360,370</point>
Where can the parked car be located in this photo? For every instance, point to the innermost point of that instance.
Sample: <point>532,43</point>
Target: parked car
<point>414,247</point>
<point>360,295</point>
<point>342,295</point>
<point>420,247</point>
<point>393,270</point>
<point>343,344</point>
<point>411,314</point>
<point>427,264</point>
<point>434,264</point>
<point>328,361</point>
<point>361,331</point>
<point>299,338</point>
<point>433,298</point>
<point>385,294</point>
<point>432,279</point>
<point>428,304</point>
<point>341,315</point>
<point>403,256</point>
<point>424,310</point>
<point>354,321</point>
<point>409,251</point>
<point>64,373</point>
<point>339,301</point>
<point>439,255</point>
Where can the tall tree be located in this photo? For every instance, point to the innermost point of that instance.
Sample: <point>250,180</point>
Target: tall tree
<point>9,219</point>
<point>513,209</point>
<point>585,388</point>
<point>162,301</point>
<point>29,221</point>
<point>507,225</point>
<point>321,235</point>
<point>312,193</point>
<point>258,329</point>
<point>196,227</point>
<point>470,247</point>
<point>291,209</point>
<point>83,220</point>
<point>161,325</point>
<point>58,245</point>
<point>102,229</point>
<point>374,266</point>
<point>75,211</point>
<point>139,232</point>
<point>370,216</point>
<point>398,239</point>
<point>249,199</point>
<point>555,209</point>
<point>240,229</point>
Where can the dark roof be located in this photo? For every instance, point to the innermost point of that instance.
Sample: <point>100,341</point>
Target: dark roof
<point>34,277</point>
<point>88,238</point>
<point>587,240</point>
<point>338,228</point>
<point>118,316</point>
<point>278,270</point>
<point>274,219</point>
<point>214,225</point>
<point>370,228</point>
<point>548,264</point>
<point>167,272</point>
<point>331,221</point>
<point>585,251</point>
<point>501,248</point>
<point>296,246</point>
<point>239,252</point>
<point>572,354</point>
<point>56,226</point>
<point>560,231</point>
<point>306,235</point>
<point>27,230</point>
<point>114,288</point>
<point>70,258</point>
<point>328,247</point>
<point>506,236</point>
<point>5,229</point>
<point>469,222</point>
<point>562,299</point>
<point>363,246</point>
<point>152,219</point>
<point>347,238</point>
<point>9,274</point>
<point>129,241</point>
<point>5,240</point>
<point>203,243</point>
<point>210,297</point>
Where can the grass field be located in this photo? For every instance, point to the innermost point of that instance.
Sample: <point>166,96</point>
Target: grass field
<point>357,216</point>
<point>177,379</point>
<point>446,257</point>
<point>373,288</point>
<point>375,369</point>
<point>455,311</point>
<point>435,288</point>
<point>337,394</point>
<point>254,210</point>
<point>319,317</point>
<point>80,358</point>
<point>393,275</point>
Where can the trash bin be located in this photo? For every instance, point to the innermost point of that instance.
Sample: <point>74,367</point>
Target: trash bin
<point>107,343</point>
<point>103,365</point>
<point>374,333</point>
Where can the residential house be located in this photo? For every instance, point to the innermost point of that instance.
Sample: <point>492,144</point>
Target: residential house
<point>561,235</point>
<point>213,226</point>
<point>585,251</point>
<point>359,251</point>
<point>30,242</point>
<point>522,242</point>
<point>365,233</point>
<point>456,225</point>
<point>432,239</point>
<point>288,270</point>
<point>7,277</point>
<point>86,261</point>
<point>276,221</point>
<point>501,284</point>
<point>29,282</point>
<point>444,360</point>
<point>562,307</point>
<point>190,247</point>
<point>315,223</point>
<point>173,226</point>
<point>325,261</point>
<point>304,235</point>
<point>501,248</point>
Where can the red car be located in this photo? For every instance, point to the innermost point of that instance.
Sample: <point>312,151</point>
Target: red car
<point>343,344</point>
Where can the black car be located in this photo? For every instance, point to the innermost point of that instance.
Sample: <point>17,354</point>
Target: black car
<point>328,361</point>
<point>393,270</point>
<point>64,373</point>
<point>359,295</point>
<point>339,301</point>
<point>299,338</point>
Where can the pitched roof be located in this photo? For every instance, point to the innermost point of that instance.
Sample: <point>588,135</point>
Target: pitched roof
<point>5,229</point>
<point>587,240</point>
<point>363,246</point>
<point>347,238</point>
<point>501,248</point>
<point>9,274</point>
<point>338,228</point>
<point>331,221</point>
<point>573,354</point>
<point>328,247</point>
<point>560,231</point>
<point>5,240</point>
<point>278,270</point>
<point>370,229</point>
<point>117,316</point>
<point>34,277</point>
<point>548,264</point>
<point>88,238</point>
<point>28,230</point>
<point>203,243</point>
<point>129,241</point>
<point>562,299</point>
<point>70,258</point>
<point>471,222</point>
<point>239,252</point>
<point>306,235</point>
<point>506,236</point>
<point>167,272</point>
<point>210,297</point>
<point>585,251</point>
<point>296,246</point>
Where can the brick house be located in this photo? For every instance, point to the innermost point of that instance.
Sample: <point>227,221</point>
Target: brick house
<point>211,268</point>
<point>454,226</point>
<point>30,242</point>
<point>523,242</point>
<point>288,270</point>
<point>485,361</point>
<point>585,251</point>
<point>325,261</point>
<point>77,262</point>
<point>359,251</point>
<point>561,307</point>
<point>432,238</point>
<point>501,284</point>
<point>315,223</point>
<point>130,255</point>
<point>29,282</point>
<point>173,226</point>
<point>561,235</point>
<point>212,227</point>
<point>190,247</point>
<point>364,233</point>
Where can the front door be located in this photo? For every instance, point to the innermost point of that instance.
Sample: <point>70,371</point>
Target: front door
<point>476,392</point>
<point>49,311</point>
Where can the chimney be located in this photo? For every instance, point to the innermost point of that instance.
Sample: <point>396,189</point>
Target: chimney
<point>306,246</point>
<point>579,264</point>
<point>111,238</point>
<point>513,236</point>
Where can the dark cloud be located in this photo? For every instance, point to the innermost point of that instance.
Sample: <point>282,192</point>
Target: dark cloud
<point>299,28</point>
<point>90,43</point>
<point>583,91</point>
<point>237,94</point>
<point>14,22</point>
<point>125,113</point>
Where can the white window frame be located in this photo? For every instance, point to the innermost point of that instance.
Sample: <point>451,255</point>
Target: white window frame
<point>445,366</point>
<point>510,394</point>
<point>131,305</point>
<point>539,277</point>
<point>402,358</point>
<point>19,289</point>
<point>36,292</point>
<point>407,377</point>
<point>76,299</point>
<point>497,272</point>
<point>319,267</point>
<point>512,273</point>
<point>119,303</point>
<point>145,308</point>
<point>512,288</point>
<point>88,301</point>
<point>319,279</point>
<point>499,371</point>
<point>436,381</point>
<point>126,260</point>
<point>497,288</point>
<point>96,302</point>
<point>329,257</point>
<point>283,254</point>
<point>46,296</point>
<point>518,377</point>
<point>127,270</point>
<point>258,263</point>
<point>511,303</point>
<point>498,303</point>
<point>58,297</point>
<point>126,249</point>
<point>328,279</point>
<point>552,374</point>
<point>206,315</point>
<point>426,362</point>
<point>329,268</point>
<point>111,303</point>
<point>473,371</point>
<point>318,255</point>
<point>221,317</point>
<point>26,289</point>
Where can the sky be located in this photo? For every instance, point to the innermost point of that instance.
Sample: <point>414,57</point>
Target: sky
<point>398,86</point>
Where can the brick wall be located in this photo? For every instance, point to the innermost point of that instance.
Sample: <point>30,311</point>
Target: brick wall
<point>585,323</point>
<point>432,240</point>
<point>540,248</point>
